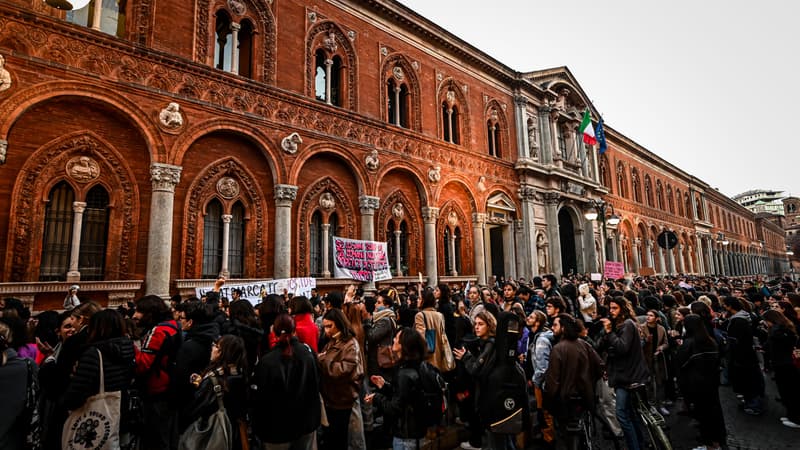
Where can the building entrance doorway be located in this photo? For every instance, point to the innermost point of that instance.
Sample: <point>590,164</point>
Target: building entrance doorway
<point>566,233</point>
<point>498,255</point>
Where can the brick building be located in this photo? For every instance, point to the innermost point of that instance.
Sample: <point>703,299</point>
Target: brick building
<point>144,152</point>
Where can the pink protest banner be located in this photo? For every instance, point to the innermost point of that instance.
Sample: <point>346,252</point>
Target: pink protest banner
<point>614,270</point>
<point>360,260</point>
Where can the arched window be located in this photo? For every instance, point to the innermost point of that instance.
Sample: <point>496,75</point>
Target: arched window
<point>458,249</point>
<point>605,178</point>
<point>637,194</point>
<point>699,206</point>
<point>398,103</point>
<point>622,181</point>
<point>315,244</point>
<point>212,240</point>
<point>223,50</point>
<point>450,123</point>
<point>246,34</point>
<point>57,237</point>
<point>670,200</point>
<point>447,260</point>
<point>648,190</point>
<point>236,242</point>
<point>679,202</point>
<point>110,20</point>
<point>659,195</point>
<point>94,235</point>
<point>328,70</point>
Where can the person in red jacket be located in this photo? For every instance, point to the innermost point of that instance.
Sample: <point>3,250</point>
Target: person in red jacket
<point>155,356</point>
<point>305,328</point>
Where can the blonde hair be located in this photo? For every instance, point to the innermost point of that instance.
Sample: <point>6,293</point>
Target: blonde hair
<point>706,300</point>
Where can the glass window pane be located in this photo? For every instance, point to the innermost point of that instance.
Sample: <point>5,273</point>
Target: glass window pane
<point>94,235</point>
<point>236,242</point>
<point>57,237</point>
<point>212,240</point>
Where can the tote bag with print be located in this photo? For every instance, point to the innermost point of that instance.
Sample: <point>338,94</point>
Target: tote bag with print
<point>95,425</point>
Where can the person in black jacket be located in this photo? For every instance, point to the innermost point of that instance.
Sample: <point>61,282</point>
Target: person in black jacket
<point>285,392</point>
<point>398,400</point>
<point>195,354</point>
<point>14,374</point>
<point>108,335</point>
<point>698,361</point>
<point>744,371</point>
<point>781,342</point>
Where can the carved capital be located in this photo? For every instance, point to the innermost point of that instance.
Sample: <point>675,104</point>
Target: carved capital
<point>165,177</point>
<point>226,218</point>
<point>429,214</point>
<point>520,100</point>
<point>551,198</point>
<point>285,193</point>
<point>78,207</point>
<point>526,193</point>
<point>478,218</point>
<point>519,224</point>
<point>368,204</point>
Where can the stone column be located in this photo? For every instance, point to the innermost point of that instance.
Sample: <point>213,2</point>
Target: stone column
<point>527,253</point>
<point>478,221</point>
<point>580,250</point>
<point>97,14</point>
<point>546,135</point>
<point>235,27</point>
<point>429,216</point>
<point>712,267</point>
<point>226,235</point>
<point>75,246</point>
<point>368,205</point>
<point>285,194</point>
<point>637,251</point>
<point>508,250</point>
<point>397,249</point>
<point>681,258</point>
<point>623,256</point>
<point>648,248</point>
<point>693,204</point>
<point>662,260</point>
<point>671,260</point>
<point>551,200</point>
<point>700,250</point>
<point>521,121</point>
<point>451,249</point>
<point>164,178</point>
<point>520,270</point>
<point>589,246</point>
<point>328,65</point>
<point>325,250</point>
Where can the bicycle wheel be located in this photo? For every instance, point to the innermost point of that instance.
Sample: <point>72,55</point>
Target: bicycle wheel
<point>655,434</point>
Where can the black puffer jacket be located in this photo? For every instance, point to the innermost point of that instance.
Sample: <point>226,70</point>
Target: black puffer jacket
<point>119,365</point>
<point>397,401</point>
<point>193,357</point>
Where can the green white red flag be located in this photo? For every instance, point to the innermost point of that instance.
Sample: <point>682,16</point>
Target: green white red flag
<point>587,130</point>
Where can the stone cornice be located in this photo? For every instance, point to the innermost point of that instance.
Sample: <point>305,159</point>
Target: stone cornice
<point>103,59</point>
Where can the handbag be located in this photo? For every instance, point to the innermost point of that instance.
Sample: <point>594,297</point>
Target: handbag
<point>386,357</point>
<point>449,361</point>
<point>430,334</point>
<point>95,425</point>
<point>214,433</point>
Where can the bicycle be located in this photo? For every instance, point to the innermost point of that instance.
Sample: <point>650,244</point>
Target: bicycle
<point>652,420</point>
<point>580,426</point>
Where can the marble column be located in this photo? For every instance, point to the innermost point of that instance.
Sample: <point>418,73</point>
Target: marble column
<point>226,236</point>
<point>164,179</point>
<point>397,250</point>
<point>478,222</point>
<point>690,260</point>
<point>521,120</point>
<point>509,265</point>
<point>527,243</point>
<point>451,249</point>
<point>551,200</point>
<point>235,27</point>
<point>520,268</point>
<point>368,205</point>
<point>547,136</point>
<point>75,246</point>
<point>671,260</point>
<point>285,194</point>
<point>580,250</point>
<point>700,263</point>
<point>681,258</point>
<point>429,216</point>
<point>637,251</point>
<point>648,245</point>
<point>97,14</point>
<point>661,260</point>
<point>325,250</point>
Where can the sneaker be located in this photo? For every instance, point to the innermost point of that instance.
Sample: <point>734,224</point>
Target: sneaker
<point>466,446</point>
<point>702,447</point>
<point>790,424</point>
<point>663,411</point>
<point>753,411</point>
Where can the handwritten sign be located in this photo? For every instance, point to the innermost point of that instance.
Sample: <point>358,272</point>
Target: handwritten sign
<point>360,260</point>
<point>252,291</point>
<point>614,270</point>
<point>596,276</point>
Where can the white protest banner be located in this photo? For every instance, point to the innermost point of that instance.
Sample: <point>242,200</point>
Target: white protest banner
<point>360,260</point>
<point>252,291</point>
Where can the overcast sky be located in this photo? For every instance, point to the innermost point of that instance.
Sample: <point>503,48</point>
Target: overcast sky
<point>709,85</point>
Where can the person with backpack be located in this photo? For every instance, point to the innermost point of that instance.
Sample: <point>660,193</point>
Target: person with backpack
<point>431,325</point>
<point>15,376</point>
<point>404,401</point>
<point>155,359</point>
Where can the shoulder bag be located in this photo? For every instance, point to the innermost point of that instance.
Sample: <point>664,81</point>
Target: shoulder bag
<point>214,433</point>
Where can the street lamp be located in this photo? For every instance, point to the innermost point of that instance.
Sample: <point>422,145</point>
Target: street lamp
<point>598,210</point>
<point>721,239</point>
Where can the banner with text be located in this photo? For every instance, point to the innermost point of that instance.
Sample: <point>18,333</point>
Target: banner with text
<point>253,291</point>
<point>360,260</point>
<point>614,270</point>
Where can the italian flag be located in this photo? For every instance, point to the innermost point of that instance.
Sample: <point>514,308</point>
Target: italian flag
<point>587,130</point>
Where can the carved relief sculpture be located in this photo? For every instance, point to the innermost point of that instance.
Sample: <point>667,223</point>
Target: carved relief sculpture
<point>330,42</point>
<point>228,188</point>
<point>171,117</point>
<point>398,74</point>
<point>451,98</point>
<point>327,202</point>
<point>83,169</point>
<point>398,211</point>
<point>371,161</point>
<point>3,150</point>
<point>541,253</point>
<point>452,219</point>
<point>435,174</point>
<point>291,143</point>
<point>237,7</point>
<point>5,76</point>
<point>482,184</point>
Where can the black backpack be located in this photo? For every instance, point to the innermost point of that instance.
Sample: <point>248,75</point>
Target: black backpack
<point>431,405</point>
<point>504,402</point>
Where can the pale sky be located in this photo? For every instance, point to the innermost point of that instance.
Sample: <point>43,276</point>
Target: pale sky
<point>709,85</point>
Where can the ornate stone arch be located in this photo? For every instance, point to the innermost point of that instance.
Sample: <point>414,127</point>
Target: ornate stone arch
<point>309,203</point>
<point>460,99</point>
<point>605,173</point>
<point>410,78</point>
<point>315,39</point>
<point>259,14</point>
<point>494,112</point>
<point>43,170</point>
<point>202,190</point>
<point>465,224</point>
<point>462,183</point>
<point>403,165</point>
<point>414,238</point>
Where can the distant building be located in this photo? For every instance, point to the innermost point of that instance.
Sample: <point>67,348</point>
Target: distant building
<point>762,201</point>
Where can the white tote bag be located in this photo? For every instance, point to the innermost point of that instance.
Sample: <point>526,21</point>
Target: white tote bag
<point>95,425</point>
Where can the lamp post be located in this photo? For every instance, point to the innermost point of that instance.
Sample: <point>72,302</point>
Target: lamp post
<point>598,211</point>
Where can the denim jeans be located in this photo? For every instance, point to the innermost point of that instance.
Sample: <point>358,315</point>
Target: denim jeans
<point>405,444</point>
<point>628,419</point>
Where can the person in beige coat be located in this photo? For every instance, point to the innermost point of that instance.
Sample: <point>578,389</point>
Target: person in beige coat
<point>430,324</point>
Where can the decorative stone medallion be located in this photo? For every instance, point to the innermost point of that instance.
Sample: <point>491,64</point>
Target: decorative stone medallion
<point>83,169</point>
<point>228,188</point>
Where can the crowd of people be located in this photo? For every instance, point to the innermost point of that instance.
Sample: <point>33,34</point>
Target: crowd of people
<point>513,362</point>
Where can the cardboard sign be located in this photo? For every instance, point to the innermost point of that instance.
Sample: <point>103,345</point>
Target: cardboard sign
<point>360,260</point>
<point>597,277</point>
<point>253,291</point>
<point>614,270</point>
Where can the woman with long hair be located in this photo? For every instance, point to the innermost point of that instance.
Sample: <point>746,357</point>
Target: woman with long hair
<point>303,315</point>
<point>698,362</point>
<point>13,378</point>
<point>244,323</point>
<point>229,366</point>
<point>342,372</point>
<point>431,325</point>
<point>285,392</point>
<point>398,399</point>
<point>781,343</point>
